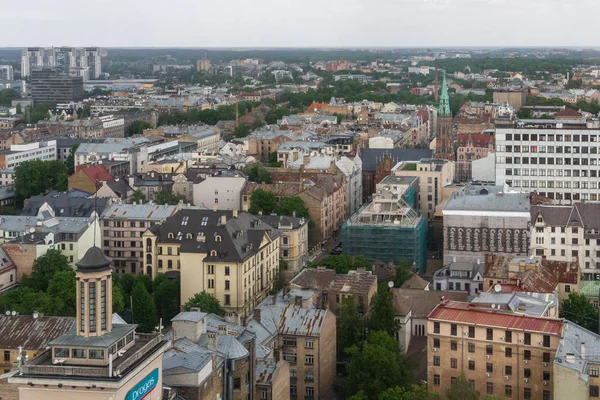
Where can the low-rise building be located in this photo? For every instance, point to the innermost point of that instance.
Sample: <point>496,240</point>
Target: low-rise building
<point>460,276</point>
<point>150,183</point>
<point>72,203</point>
<point>220,188</point>
<point>484,218</point>
<point>88,178</point>
<point>334,288</point>
<point>19,153</point>
<point>502,353</point>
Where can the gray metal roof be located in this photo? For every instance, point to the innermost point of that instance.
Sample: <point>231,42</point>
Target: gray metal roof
<point>371,158</point>
<point>487,198</point>
<point>144,212</point>
<point>189,316</point>
<point>71,339</point>
<point>18,223</point>
<point>292,320</point>
<point>573,336</point>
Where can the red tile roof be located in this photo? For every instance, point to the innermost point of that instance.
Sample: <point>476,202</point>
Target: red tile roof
<point>97,173</point>
<point>316,106</point>
<point>454,311</point>
<point>568,112</point>
<point>478,139</point>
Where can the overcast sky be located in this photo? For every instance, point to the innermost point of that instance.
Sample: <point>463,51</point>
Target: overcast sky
<point>307,23</point>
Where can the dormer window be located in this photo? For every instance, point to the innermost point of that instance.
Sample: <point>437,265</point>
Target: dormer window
<point>189,236</point>
<point>170,236</point>
<point>217,238</point>
<point>213,253</point>
<point>540,220</point>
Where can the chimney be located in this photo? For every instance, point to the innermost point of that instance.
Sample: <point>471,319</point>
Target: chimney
<point>582,350</point>
<point>223,219</point>
<point>212,340</point>
<point>298,301</point>
<point>194,309</point>
<point>180,205</point>
<point>257,314</point>
<point>235,213</point>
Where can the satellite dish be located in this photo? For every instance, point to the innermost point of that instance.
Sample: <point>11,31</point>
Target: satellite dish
<point>497,288</point>
<point>390,284</point>
<point>14,313</point>
<point>493,306</point>
<point>7,312</point>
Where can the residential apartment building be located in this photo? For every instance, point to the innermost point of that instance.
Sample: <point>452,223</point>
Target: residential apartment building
<point>88,179</point>
<point>203,65</point>
<point>569,234</point>
<point>502,354</point>
<point>306,339</point>
<point>6,73</point>
<point>333,288</point>
<point>556,158</point>
<point>294,239</point>
<point>219,188</point>
<point>460,277</point>
<point>122,228</point>
<point>484,218</point>
<point>19,153</point>
<point>224,355</point>
<point>68,60</point>
<point>433,176</point>
<point>577,364</point>
<point>232,256</point>
<point>27,335</point>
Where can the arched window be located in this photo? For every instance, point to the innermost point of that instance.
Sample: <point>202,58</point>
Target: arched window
<point>148,258</point>
<point>189,236</point>
<point>213,253</point>
<point>217,238</point>
<point>149,270</point>
<point>170,236</point>
<point>148,242</point>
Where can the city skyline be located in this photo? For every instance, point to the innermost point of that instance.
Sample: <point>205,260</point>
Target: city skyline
<point>266,23</point>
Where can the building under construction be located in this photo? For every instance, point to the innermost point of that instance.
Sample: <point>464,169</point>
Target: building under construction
<point>387,229</point>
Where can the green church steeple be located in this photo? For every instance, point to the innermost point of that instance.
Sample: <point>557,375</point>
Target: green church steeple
<point>444,99</point>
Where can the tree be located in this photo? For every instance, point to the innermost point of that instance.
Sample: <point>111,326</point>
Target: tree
<point>576,308</point>
<point>403,273</point>
<point>144,312</point>
<point>278,280</point>
<point>262,201</point>
<point>7,96</point>
<point>71,160</point>
<point>138,197</point>
<point>26,300</point>
<point>383,313</point>
<point>167,197</point>
<point>412,392</point>
<point>166,296</point>
<point>118,299</point>
<point>45,268</point>
<point>273,163</point>
<point>205,302</point>
<point>342,263</point>
<point>461,389</point>
<point>257,173</point>
<point>350,326</point>
<point>62,289</point>
<point>37,177</point>
<point>137,127</point>
<point>241,130</point>
<point>377,366</point>
<point>293,205</point>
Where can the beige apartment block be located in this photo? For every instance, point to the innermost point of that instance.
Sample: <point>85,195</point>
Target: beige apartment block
<point>502,354</point>
<point>433,176</point>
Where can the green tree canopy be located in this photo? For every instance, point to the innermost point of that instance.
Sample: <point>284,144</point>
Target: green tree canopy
<point>45,268</point>
<point>461,389</point>
<point>37,177</point>
<point>403,273</point>
<point>257,173</point>
<point>138,196</point>
<point>144,312</point>
<point>350,326</point>
<point>118,299</point>
<point>262,201</point>
<point>342,263</point>
<point>137,127</point>
<point>576,308</point>
<point>166,297</point>
<point>71,160</point>
<point>205,302</point>
<point>290,205</point>
<point>63,291</point>
<point>26,300</point>
<point>167,197</point>
<point>242,130</point>
<point>377,366</point>
<point>412,392</point>
<point>383,313</point>
<point>7,96</point>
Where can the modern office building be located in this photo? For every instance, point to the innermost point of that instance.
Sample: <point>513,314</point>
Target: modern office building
<point>502,353</point>
<point>97,359</point>
<point>6,73</point>
<point>555,158</point>
<point>48,86</point>
<point>19,153</point>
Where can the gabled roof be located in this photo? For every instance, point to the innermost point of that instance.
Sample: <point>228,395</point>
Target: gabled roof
<point>32,333</point>
<point>327,280</point>
<point>97,173</point>
<point>415,282</point>
<point>288,319</point>
<point>420,302</point>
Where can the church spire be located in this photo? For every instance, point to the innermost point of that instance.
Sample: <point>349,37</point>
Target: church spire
<point>444,99</point>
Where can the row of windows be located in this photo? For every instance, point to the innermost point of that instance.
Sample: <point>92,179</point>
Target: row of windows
<point>309,359</point>
<point>308,391</point>
<point>126,224</point>
<point>561,172</point>
<point>489,334</point>
<point>546,160</point>
<point>547,149</point>
<point>291,342</point>
<point>489,368</point>
<point>508,389</point>
<point>534,137</point>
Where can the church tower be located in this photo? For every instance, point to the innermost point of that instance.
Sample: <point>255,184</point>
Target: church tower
<point>444,138</point>
<point>94,294</point>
